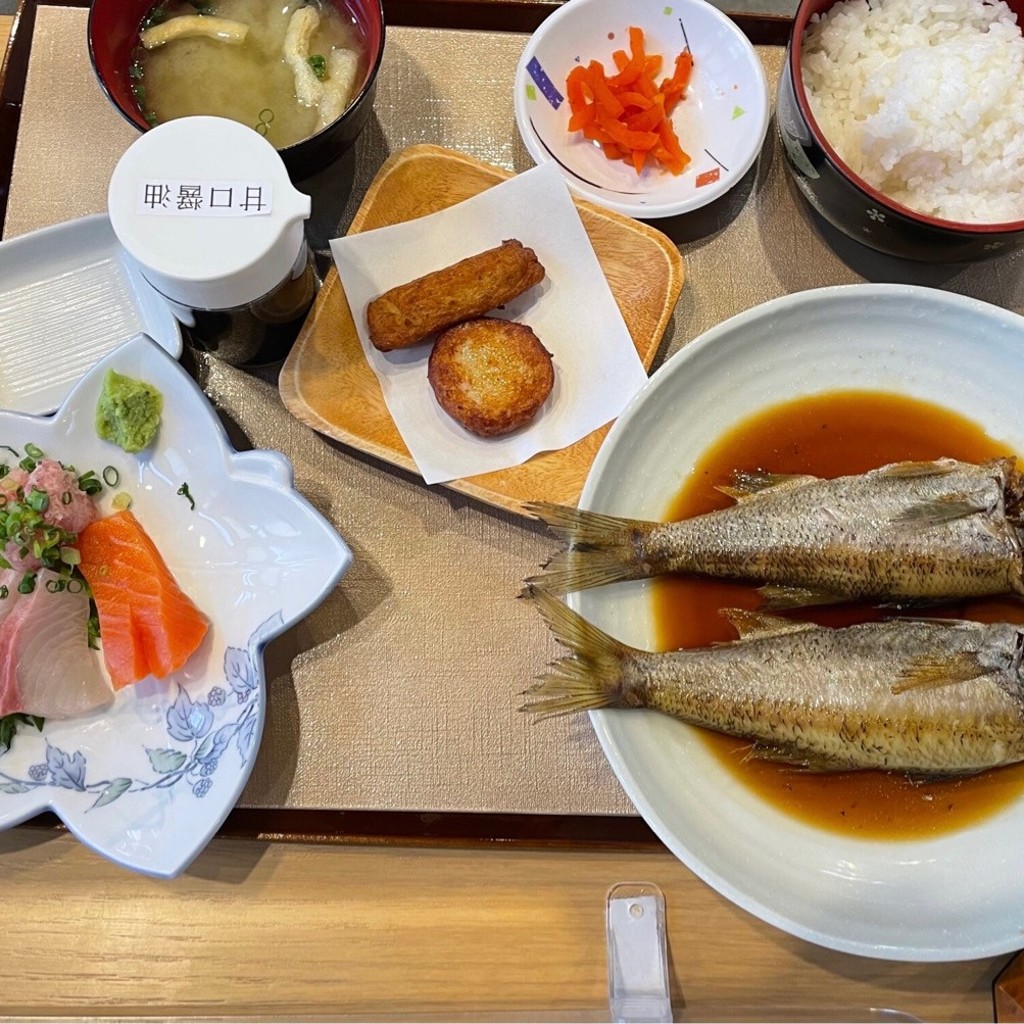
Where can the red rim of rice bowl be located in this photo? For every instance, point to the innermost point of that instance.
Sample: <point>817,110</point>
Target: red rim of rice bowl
<point>806,10</point>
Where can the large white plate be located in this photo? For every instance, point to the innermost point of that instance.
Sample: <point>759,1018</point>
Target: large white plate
<point>148,782</point>
<point>956,897</point>
<point>68,295</point>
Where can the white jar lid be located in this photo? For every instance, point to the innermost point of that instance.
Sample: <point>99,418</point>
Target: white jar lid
<point>206,208</point>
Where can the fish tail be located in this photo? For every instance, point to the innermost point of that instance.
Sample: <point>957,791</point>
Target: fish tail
<point>601,549</point>
<point>590,677</point>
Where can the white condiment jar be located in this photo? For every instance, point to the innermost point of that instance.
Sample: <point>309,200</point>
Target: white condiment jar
<point>205,207</point>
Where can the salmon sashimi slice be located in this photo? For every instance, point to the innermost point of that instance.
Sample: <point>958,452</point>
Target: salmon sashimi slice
<point>45,665</point>
<point>148,625</point>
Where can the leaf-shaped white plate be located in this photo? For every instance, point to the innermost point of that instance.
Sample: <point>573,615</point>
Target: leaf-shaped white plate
<point>148,782</point>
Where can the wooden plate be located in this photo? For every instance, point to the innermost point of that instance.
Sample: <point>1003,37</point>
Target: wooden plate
<point>327,383</point>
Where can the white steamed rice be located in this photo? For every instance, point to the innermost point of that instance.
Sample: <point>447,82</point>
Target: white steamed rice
<point>924,99</point>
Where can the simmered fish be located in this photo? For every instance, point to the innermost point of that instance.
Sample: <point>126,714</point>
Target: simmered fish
<point>910,532</point>
<point>922,697</point>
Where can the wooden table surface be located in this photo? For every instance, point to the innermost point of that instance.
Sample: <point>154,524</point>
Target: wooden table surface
<point>278,931</point>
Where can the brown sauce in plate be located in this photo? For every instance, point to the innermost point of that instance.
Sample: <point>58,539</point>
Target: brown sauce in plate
<point>829,435</point>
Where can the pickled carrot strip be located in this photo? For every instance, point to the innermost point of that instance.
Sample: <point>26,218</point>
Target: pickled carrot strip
<point>628,113</point>
<point>635,99</point>
<point>681,75</point>
<point>583,117</point>
<point>624,136</point>
<point>576,88</point>
<point>636,43</point>
<point>674,87</point>
<point>598,134</point>
<point>677,158</point>
<point>603,95</point>
<point>648,120</point>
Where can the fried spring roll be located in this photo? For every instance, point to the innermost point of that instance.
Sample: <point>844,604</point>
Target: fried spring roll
<point>467,289</point>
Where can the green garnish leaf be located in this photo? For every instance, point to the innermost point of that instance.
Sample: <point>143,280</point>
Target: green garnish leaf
<point>183,489</point>
<point>9,726</point>
<point>27,584</point>
<point>94,627</point>
<point>318,63</point>
<point>157,15</point>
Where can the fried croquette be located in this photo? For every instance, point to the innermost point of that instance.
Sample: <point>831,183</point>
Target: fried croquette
<point>490,375</point>
<point>411,312</point>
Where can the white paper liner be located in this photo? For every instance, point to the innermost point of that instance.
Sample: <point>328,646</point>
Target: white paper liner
<point>572,311</point>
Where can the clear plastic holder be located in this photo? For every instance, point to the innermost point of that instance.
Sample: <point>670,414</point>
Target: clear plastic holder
<point>638,981</point>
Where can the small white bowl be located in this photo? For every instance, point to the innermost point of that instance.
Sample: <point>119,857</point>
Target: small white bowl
<point>721,123</point>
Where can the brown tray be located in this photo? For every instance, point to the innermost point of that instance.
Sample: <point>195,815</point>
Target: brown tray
<point>392,826</point>
<point>327,383</point>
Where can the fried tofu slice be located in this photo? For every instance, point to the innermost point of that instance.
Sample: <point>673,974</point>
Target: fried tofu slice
<point>301,27</point>
<point>331,96</point>
<point>342,67</point>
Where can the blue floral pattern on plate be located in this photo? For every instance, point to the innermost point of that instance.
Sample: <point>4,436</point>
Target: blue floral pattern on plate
<point>189,722</point>
<point>149,781</point>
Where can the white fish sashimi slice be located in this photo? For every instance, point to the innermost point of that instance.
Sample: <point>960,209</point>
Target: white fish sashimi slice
<point>9,580</point>
<point>46,667</point>
<point>9,697</point>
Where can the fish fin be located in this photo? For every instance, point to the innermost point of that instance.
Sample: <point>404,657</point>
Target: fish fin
<point>590,677</point>
<point>778,598</point>
<point>927,778</point>
<point>573,570</point>
<point>749,624</point>
<point>803,761</point>
<point>1013,488</point>
<point>799,760</point>
<point>747,483</point>
<point>923,673</point>
<point>938,467</point>
<point>601,549</point>
<point>942,510</point>
<point>935,620</point>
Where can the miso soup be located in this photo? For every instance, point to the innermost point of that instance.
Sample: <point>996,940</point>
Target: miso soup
<point>285,78</point>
